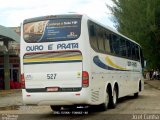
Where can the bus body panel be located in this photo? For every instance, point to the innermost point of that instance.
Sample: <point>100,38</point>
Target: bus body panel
<point>56,98</point>
<point>127,80</point>
<point>62,69</point>
<point>103,69</point>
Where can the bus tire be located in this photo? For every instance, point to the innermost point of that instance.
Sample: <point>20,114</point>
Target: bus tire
<point>114,98</point>
<point>55,108</point>
<point>136,95</point>
<point>105,105</point>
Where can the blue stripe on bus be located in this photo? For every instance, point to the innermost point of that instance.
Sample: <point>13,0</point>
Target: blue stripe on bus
<point>100,64</point>
<point>50,62</point>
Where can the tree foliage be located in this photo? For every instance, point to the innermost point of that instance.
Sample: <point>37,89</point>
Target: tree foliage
<point>140,21</point>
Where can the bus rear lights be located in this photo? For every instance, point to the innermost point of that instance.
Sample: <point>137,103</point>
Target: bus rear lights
<point>22,81</point>
<point>28,95</point>
<point>85,79</point>
<point>77,94</point>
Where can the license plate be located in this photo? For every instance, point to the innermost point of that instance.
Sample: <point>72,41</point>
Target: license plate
<point>52,89</point>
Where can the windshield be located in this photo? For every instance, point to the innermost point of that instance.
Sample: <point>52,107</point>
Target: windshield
<point>52,30</point>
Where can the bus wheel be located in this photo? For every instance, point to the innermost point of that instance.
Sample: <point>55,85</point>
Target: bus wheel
<point>136,95</point>
<point>105,105</point>
<point>114,98</point>
<point>55,108</point>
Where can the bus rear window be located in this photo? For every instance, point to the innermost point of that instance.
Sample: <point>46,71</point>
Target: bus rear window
<point>52,30</point>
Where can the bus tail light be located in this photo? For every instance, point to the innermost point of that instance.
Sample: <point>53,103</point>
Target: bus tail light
<point>22,81</point>
<point>85,79</point>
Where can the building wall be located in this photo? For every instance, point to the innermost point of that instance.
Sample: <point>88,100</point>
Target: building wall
<point>14,66</point>
<point>13,49</point>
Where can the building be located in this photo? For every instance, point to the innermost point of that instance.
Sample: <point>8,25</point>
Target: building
<point>17,30</point>
<point>9,57</point>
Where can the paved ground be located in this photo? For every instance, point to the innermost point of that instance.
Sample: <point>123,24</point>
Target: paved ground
<point>153,83</point>
<point>127,108</point>
<point>10,98</point>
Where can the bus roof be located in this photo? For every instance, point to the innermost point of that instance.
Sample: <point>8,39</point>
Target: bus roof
<point>73,15</point>
<point>52,17</point>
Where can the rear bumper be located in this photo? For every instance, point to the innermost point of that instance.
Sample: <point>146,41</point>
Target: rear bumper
<point>56,98</point>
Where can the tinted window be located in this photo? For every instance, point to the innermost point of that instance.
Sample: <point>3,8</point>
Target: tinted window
<point>52,30</point>
<point>107,37</point>
<point>105,41</point>
<point>129,49</point>
<point>137,52</point>
<point>122,47</point>
<point>142,58</point>
<point>133,51</point>
<point>92,36</point>
<point>114,44</point>
<point>100,38</point>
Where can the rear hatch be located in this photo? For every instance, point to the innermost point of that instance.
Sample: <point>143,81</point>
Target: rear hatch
<point>46,71</point>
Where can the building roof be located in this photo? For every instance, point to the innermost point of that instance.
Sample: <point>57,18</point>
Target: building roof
<point>9,33</point>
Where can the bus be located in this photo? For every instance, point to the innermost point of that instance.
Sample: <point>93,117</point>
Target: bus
<point>70,60</point>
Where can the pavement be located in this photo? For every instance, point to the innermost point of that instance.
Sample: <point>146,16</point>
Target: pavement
<point>154,83</point>
<point>11,91</point>
<point>10,98</point>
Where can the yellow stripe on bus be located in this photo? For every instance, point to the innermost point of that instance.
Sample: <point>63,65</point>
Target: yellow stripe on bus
<point>109,61</point>
<point>52,59</point>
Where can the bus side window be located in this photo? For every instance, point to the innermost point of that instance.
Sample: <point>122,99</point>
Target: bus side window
<point>100,36</point>
<point>123,48</point>
<point>91,30</point>
<point>133,51</point>
<point>107,37</point>
<point>137,53</point>
<point>92,36</point>
<point>115,45</point>
<point>142,58</point>
<point>129,49</point>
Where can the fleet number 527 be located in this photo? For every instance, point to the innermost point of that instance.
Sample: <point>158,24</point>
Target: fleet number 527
<point>51,76</point>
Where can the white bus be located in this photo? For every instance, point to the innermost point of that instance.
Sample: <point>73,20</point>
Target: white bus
<point>71,60</point>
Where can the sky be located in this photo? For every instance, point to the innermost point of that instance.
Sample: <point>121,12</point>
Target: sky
<point>13,12</point>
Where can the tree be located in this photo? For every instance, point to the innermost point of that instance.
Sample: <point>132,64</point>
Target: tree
<point>140,21</point>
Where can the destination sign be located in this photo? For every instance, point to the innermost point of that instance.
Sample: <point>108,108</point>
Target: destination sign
<point>52,30</point>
